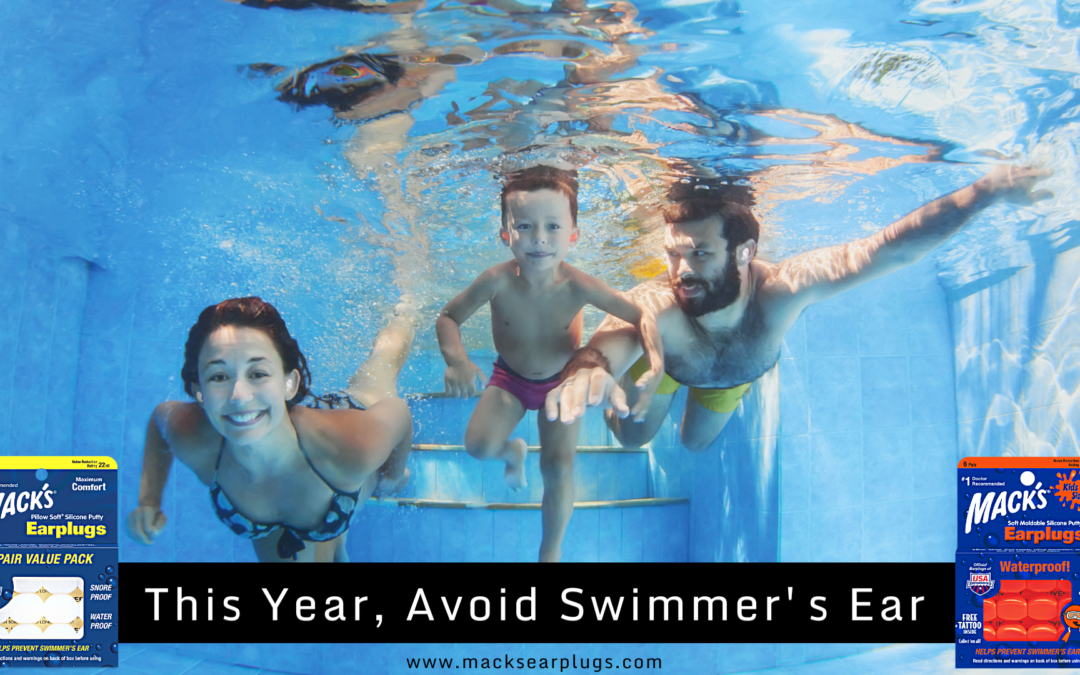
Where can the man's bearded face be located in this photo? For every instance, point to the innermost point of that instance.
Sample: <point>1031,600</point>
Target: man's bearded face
<point>700,296</point>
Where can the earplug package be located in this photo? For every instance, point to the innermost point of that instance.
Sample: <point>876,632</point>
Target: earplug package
<point>58,562</point>
<point>1018,563</point>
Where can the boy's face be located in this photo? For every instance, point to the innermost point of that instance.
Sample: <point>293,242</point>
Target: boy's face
<point>539,228</point>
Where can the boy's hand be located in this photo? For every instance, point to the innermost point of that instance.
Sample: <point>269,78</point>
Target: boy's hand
<point>461,380</point>
<point>647,385</point>
<point>145,524</point>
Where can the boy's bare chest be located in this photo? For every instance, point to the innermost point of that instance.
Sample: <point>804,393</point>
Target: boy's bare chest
<point>547,313</point>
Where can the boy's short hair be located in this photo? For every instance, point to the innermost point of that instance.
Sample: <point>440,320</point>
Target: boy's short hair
<point>542,177</point>
<point>703,198</point>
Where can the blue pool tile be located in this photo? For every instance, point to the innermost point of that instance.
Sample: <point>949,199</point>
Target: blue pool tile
<point>403,535</point>
<point>582,543</point>
<point>479,536</point>
<point>1063,283</point>
<point>652,532</point>
<point>506,533</point>
<point>296,658</point>
<point>887,532</point>
<point>531,534</point>
<point>794,396</point>
<point>928,329</point>
<point>424,529</point>
<point>795,536</point>
<point>795,473</point>
<point>633,534</point>
<point>824,338</point>
<point>633,476</point>
<point>586,475</point>
<point>790,654</point>
<point>818,652</point>
<point>607,475</point>
<point>740,658</point>
<point>934,537</point>
<point>881,330</point>
<point>423,473</point>
<point>381,520</point>
<point>886,400</point>
<point>934,456</point>
<point>836,535</point>
<point>835,398</point>
<point>609,540</point>
<point>887,465</point>
<point>836,471</point>
<point>452,543</point>
<point>933,396</point>
<point>494,489</point>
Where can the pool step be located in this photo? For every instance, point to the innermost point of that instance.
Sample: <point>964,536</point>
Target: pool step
<point>403,530</point>
<point>447,473</point>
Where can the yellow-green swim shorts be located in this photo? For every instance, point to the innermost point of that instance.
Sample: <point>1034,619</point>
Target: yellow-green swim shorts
<point>721,401</point>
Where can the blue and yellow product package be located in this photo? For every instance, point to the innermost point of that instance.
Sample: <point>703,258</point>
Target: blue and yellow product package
<point>58,561</point>
<point>1018,563</point>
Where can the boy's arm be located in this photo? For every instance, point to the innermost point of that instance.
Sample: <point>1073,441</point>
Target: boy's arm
<point>643,318</point>
<point>461,373</point>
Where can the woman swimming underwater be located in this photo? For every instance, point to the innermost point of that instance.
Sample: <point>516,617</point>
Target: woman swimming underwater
<point>278,473</point>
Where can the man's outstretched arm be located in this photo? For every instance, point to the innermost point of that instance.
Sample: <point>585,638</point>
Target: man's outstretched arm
<point>820,274</point>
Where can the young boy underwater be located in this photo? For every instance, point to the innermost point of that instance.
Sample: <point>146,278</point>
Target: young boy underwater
<point>536,320</point>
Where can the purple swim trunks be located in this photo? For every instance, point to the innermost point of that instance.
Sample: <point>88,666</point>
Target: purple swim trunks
<point>531,393</point>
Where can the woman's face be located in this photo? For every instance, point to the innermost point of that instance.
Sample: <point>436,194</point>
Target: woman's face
<point>243,385</point>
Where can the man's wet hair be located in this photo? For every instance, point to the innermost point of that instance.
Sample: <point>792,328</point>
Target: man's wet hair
<point>702,198</point>
<point>542,177</point>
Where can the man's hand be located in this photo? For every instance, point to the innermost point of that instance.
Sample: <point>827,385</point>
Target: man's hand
<point>1014,183</point>
<point>461,380</point>
<point>588,387</point>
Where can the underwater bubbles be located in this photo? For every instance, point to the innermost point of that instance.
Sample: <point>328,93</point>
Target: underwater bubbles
<point>112,582</point>
<point>8,593</point>
<point>109,569</point>
<point>991,540</point>
<point>101,577</point>
<point>115,647</point>
<point>53,660</point>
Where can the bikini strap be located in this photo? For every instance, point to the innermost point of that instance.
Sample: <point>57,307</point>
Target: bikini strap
<point>321,477</point>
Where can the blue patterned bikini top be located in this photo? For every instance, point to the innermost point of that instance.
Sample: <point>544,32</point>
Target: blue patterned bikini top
<point>292,539</point>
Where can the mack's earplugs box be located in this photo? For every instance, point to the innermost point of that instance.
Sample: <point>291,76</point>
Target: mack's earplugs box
<point>58,561</point>
<point>1018,563</point>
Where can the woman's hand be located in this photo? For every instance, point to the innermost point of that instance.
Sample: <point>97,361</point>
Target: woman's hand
<point>146,523</point>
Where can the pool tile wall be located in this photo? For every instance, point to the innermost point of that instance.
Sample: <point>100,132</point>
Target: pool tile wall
<point>868,429</point>
<point>41,304</point>
<point>1018,357</point>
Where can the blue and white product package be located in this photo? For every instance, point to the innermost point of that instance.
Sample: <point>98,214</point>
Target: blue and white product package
<point>1018,563</point>
<point>58,561</point>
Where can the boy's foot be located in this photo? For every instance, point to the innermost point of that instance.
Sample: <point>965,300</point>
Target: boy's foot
<point>390,486</point>
<point>515,464</point>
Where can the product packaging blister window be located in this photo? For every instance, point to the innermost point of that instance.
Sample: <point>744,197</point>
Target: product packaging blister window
<point>58,562</point>
<point>1018,563</point>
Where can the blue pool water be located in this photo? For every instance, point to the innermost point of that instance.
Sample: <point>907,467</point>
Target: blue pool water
<point>148,171</point>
